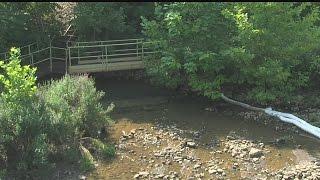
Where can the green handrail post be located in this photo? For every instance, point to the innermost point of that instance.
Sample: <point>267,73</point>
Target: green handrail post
<point>142,51</point>
<point>137,48</point>
<point>50,48</point>
<point>66,55</point>
<point>106,47</point>
<point>31,58</point>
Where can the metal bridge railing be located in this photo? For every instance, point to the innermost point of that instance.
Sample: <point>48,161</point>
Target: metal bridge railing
<point>31,55</point>
<point>82,53</point>
<point>104,52</point>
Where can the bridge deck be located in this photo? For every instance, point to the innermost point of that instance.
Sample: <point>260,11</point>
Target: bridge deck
<point>114,66</point>
<point>86,57</point>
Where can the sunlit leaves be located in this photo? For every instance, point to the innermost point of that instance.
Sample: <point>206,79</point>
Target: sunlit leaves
<point>19,82</point>
<point>268,50</point>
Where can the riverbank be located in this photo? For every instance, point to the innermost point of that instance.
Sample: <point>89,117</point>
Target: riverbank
<point>161,134</point>
<point>158,146</point>
<point>154,151</point>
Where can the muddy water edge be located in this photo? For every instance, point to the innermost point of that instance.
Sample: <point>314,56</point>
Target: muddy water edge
<point>162,134</point>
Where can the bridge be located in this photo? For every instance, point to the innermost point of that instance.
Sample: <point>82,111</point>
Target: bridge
<point>85,57</point>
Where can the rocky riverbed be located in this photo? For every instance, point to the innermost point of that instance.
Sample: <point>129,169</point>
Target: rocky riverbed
<point>161,135</point>
<point>149,151</point>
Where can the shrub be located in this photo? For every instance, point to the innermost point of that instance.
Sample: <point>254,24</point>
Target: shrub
<point>105,150</point>
<point>266,50</point>
<point>75,109</point>
<point>86,164</point>
<point>39,123</point>
<point>23,118</point>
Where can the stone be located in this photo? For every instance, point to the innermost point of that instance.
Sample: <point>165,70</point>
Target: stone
<point>201,174</point>
<point>136,176</point>
<point>254,152</point>
<point>231,138</point>
<point>82,177</point>
<point>219,170</point>
<point>235,164</point>
<point>255,159</point>
<point>143,173</point>
<point>242,155</point>
<point>261,145</point>
<point>160,176</point>
<point>212,171</point>
<point>191,144</point>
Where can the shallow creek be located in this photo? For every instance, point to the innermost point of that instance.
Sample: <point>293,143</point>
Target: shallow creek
<point>140,105</point>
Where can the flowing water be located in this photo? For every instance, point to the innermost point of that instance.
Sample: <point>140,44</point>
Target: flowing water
<point>139,103</point>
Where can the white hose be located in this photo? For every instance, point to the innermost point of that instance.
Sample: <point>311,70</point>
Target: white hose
<point>285,117</point>
<point>289,118</point>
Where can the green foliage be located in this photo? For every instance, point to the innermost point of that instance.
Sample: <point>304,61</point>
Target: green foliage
<point>75,108</point>
<point>87,160</point>
<point>283,39</point>
<point>86,164</point>
<point>190,45</point>
<point>113,20</point>
<point>267,50</point>
<point>23,118</point>
<point>2,173</point>
<point>26,22</point>
<point>314,118</point>
<point>18,82</point>
<point>39,123</point>
<point>105,150</point>
<point>70,154</point>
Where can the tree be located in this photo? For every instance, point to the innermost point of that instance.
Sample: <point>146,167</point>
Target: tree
<point>26,22</point>
<point>282,39</point>
<point>265,50</point>
<point>112,20</point>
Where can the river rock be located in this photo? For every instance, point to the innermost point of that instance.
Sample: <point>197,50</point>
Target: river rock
<point>255,159</point>
<point>136,176</point>
<point>133,131</point>
<point>254,152</point>
<point>144,173</point>
<point>190,144</point>
<point>126,136</point>
<point>211,171</point>
<point>231,138</point>
<point>196,166</point>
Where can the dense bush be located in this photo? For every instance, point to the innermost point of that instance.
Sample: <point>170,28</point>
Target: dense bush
<point>112,20</point>
<point>75,112</point>
<point>74,108</point>
<point>23,118</point>
<point>282,40</point>
<point>27,22</point>
<point>40,124</point>
<point>264,51</point>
